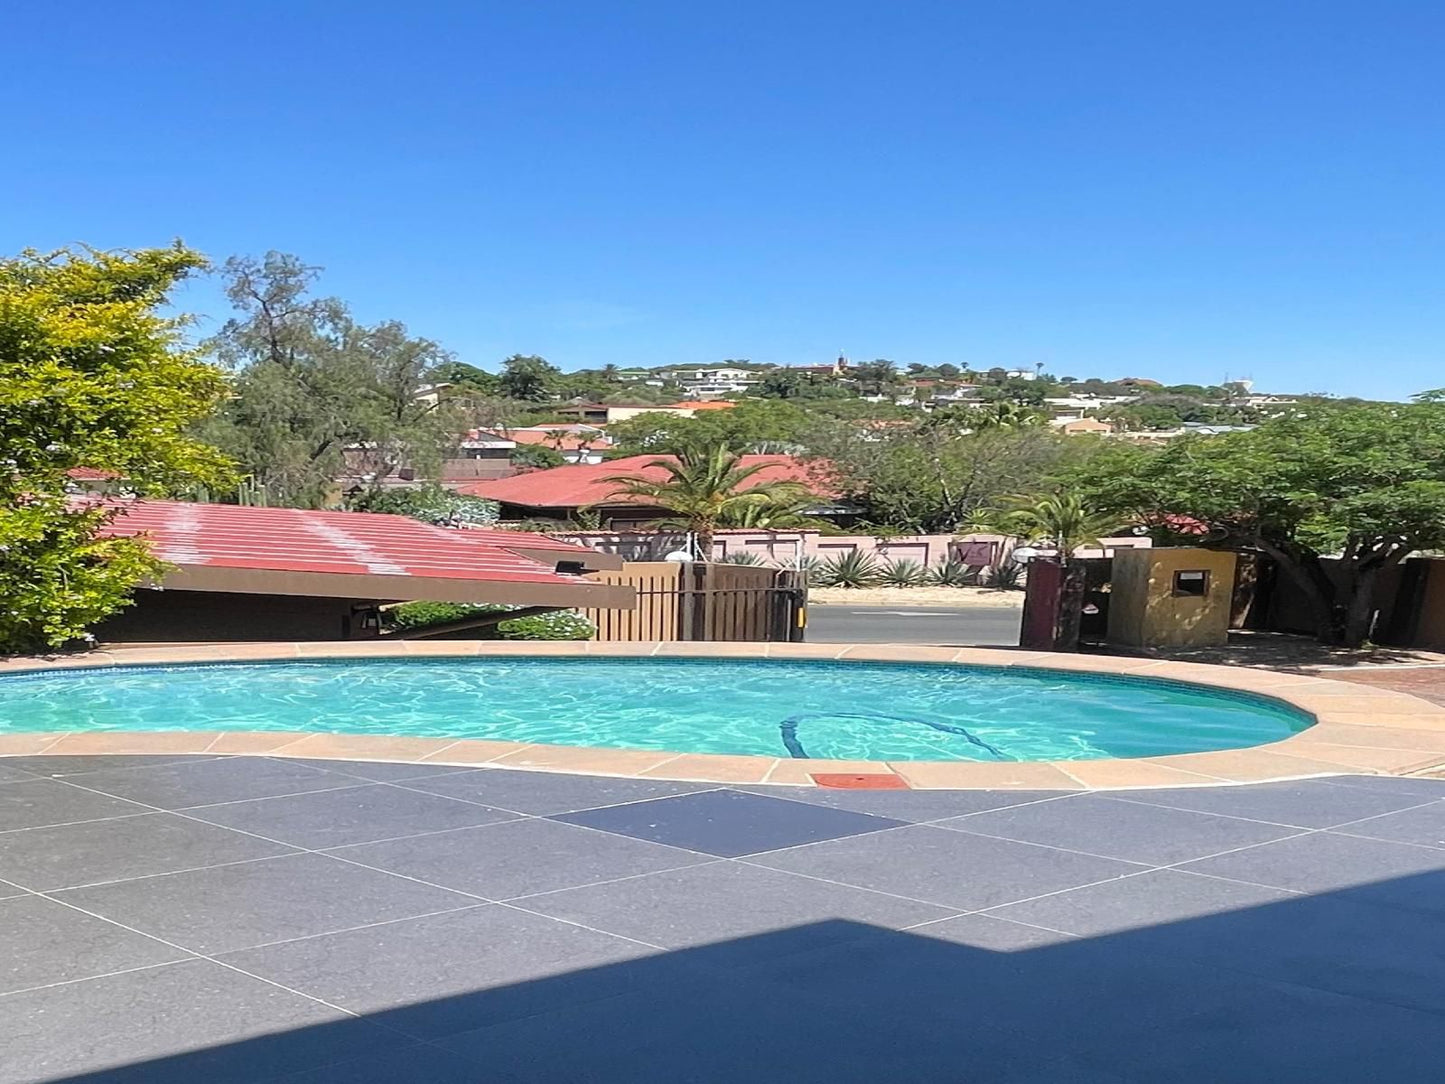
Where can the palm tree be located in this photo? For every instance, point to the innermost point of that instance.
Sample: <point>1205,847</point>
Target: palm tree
<point>782,512</point>
<point>705,488</point>
<point>1062,520</point>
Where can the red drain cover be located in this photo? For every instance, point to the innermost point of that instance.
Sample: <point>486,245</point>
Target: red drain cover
<point>845,781</point>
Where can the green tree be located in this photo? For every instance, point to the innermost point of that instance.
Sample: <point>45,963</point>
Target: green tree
<point>317,395</point>
<point>755,426</point>
<point>537,456</point>
<point>92,375</point>
<point>1361,482</point>
<point>528,377</point>
<point>928,476</point>
<point>704,490</point>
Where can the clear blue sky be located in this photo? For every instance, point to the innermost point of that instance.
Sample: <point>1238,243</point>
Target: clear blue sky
<point>1171,188</point>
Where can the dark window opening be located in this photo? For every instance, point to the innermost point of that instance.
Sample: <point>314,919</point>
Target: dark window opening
<point>1190,584</point>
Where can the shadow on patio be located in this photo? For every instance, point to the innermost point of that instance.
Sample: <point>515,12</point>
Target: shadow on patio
<point>1340,986</point>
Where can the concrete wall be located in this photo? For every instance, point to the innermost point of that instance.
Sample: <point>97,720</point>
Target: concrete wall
<point>214,616</point>
<point>782,547</point>
<point>1144,611</point>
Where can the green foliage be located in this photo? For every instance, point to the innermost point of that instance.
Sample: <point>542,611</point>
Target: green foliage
<point>537,456</point>
<point>558,625</point>
<point>856,568</point>
<point>904,573</point>
<point>750,427</point>
<point>429,503</point>
<point>950,573</point>
<point>91,375</point>
<point>316,394</point>
<point>1062,520</point>
<point>528,377</point>
<point>934,473</point>
<point>1006,576</point>
<point>705,489</point>
<point>1365,480</point>
<point>743,557</point>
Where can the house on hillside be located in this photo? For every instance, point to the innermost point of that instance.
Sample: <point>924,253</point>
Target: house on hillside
<point>1076,426</point>
<point>575,443</point>
<point>606,413</point>
<point>560,493</point>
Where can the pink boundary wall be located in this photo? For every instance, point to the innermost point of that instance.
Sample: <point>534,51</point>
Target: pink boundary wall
<point>782,547</point>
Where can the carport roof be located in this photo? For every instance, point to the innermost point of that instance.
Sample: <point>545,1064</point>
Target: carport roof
<point>364,555</point>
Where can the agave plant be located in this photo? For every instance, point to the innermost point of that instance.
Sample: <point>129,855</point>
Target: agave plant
<point>855,568</point>
<point>950,573</point>
<point>810,567</point>
<point>742,557</point>
<point>1006,576</point>
<point>904,573</point>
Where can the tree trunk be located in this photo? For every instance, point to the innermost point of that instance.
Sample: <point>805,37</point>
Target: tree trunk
<point>1359,609</point>
<point>703,534</point>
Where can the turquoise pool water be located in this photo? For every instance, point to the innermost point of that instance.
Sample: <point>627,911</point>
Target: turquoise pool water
<point>842,710</point>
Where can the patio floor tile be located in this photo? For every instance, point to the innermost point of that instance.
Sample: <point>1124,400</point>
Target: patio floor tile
<point>1424,825</point>
<point>77,763</point>
<point>947,867</point>
<point>1135,833</point>
<point>1308,803</point>
<point>43,942</point>
<point>253,903</point>
<point>717,1030</point>
<point>448,973</point>
<point>544,793</point>
<point>722,900</point>
<point>501,861</point>
<point>1425,789</point>
<point>81,854</point>
<point>414,1062</point>
<point>10,772</point>
<point>377,771</point>
<point>207,1022</point>
<point>359,814</point>
<point>913,806</point>
<point>36,803</point>
<point>1372,870</point>
<point>728,823</point>
<point>183,784</point>
<point>1324,942</point>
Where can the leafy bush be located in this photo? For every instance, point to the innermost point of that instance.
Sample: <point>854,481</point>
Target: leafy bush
<point>1005,577</point>
<point>904,573</point>
<point>856,568</point>
<point>558,625</point>
<point>430,503</point>
<point>950,573</point>
<point>742,557</point>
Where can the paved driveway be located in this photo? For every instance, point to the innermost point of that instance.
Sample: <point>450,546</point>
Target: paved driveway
<point>966,626</point>
<point>246,919</point>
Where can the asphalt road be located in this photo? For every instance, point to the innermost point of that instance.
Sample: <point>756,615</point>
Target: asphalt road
<point>840,623</point>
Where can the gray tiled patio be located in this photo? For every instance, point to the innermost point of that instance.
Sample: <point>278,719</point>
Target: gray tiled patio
<point>247,919</point>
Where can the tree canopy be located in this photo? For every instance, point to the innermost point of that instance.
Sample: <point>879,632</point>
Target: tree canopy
<point>318,395</point>
<point>1364,482</point>
<point>92,375</point>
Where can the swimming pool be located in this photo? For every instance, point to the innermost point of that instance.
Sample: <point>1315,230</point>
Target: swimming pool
<point>775,708</point>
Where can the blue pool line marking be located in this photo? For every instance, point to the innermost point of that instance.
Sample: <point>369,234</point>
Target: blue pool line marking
<point>789,729</point>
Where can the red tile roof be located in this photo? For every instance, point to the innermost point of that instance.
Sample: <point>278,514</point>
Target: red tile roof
<point>560,440</point>
<point>579,485</point>
<point>340,543</point>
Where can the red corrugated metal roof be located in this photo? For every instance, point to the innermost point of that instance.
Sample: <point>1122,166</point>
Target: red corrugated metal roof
<point>581,484</point>
<point>340,543</point>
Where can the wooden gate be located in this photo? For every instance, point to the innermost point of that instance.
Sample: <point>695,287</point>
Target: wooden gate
<point>704,602</point>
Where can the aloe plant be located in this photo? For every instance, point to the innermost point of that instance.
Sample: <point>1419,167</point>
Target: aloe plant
<point>950,573</point>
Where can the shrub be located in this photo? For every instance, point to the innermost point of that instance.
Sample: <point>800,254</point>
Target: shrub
<point>950,573</point>
<point>558,625</point>
<point>810,567</point>
<point>1005,577</point>
<point>742,557</point>
<point>853,569</point>
<point>429,503</point>
<point>903,573</point>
